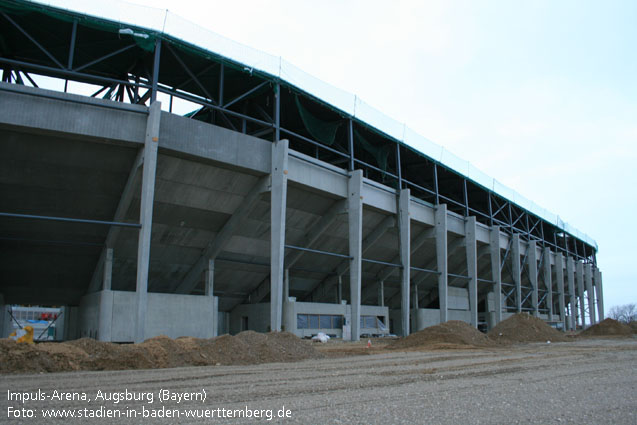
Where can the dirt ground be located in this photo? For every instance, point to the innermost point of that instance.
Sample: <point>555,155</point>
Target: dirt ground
<point>581,381</point>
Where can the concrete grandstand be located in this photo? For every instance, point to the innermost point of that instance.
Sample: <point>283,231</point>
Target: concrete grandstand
<point>275,202</point>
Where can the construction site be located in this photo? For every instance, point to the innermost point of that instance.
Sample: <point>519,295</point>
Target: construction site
<point>181,211</point>
<point>274,204</point>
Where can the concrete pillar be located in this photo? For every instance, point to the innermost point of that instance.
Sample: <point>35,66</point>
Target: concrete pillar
<point>151,143</point>
<point>588,277</point>
<point>546,270</point>
<point>107,281</point>
<point>496,275</point>
<point>209,279</point>
<point>355,218</point>
<point>559,275</point>
<point>472,267</point>
<point>599,293</point>
<point>516,270</point>
<point>440,217</point>
<point>531,256</point>
<point>405,254</point>
<point>215,317</point>
<point>105,316</point>
<point>381,293</point>
<point>286,285</point>
<point>579,277</point>
<point>414,316</point>
<point>278,197</point>
<point>570,279</point>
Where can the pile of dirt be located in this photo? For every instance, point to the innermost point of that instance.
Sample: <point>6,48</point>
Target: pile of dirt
<point>450,334</point>
<point>522,327</point>
<point>633,326</point>
<point>158,352</point>
<point>608,327</point>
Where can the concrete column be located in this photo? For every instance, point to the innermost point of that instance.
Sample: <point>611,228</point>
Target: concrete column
<point>355,217</point>
<point>559,275</point>
<point>414,316</point>
<point>340,289</point>
<point>531,256</point>
<point>600,294</point>
<point>215,317</point>
<point>381,293</point>
<point>496,275</point>
<point>588,277</point>
<point>517,270</point>
<point>440,216</point>
<point>286,285</point>
<point>405,254</point>
<point>579,277</point>
<point>546,269</point>
<point>107,282</point>
<point>105,316</point>
<point>278,197</point>
<point>570,279</point>
<point>472,267</point>
<point>151,143</point>
<point>209,279</point>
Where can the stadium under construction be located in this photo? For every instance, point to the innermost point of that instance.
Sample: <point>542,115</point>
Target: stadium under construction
<point>159,179</point>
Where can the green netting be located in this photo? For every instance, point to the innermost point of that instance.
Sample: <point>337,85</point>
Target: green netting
<point>380,153</point>
<point>147,43</point>
<point>322,131</point>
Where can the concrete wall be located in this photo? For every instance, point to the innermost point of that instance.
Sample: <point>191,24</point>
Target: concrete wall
<point>258,316</point>
<point>70,323</point>
<point>223,323</point>
<point>259,319</point>
<point>110,316</point>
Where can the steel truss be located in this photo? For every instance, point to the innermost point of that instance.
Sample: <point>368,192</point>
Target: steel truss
<point>263,110</point>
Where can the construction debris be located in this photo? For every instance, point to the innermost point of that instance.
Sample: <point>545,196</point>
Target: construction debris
<point>452,334</point>
<point>159,352</point>
<point>608,327</point>
<point>522,327</point>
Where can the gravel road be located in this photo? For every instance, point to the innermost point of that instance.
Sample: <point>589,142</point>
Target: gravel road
<point>585,381</point>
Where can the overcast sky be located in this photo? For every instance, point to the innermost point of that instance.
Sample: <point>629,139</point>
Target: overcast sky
<point>540,95</point>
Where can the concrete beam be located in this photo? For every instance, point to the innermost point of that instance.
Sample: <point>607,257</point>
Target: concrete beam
<point>278,197</point>
<point>559,276</point>
<point>546,272</point>
<point>588,276</point>
<point>496,275</point>
<point>404,227</point>
<point>355,219</point>
<point>472,268</point>
<point>570,279</point>
<point>516,271</point>
<point>579,277</point>
<point>151,143</point>
<point>189,282</point>
<point>132,185</point>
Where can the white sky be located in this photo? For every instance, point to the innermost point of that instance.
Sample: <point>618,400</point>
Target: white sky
<point>540,95</point>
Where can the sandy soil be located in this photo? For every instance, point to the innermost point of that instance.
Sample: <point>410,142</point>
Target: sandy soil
<point>582,381</point>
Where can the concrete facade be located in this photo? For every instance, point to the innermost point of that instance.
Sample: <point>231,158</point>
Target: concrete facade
<point>230,215</point>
